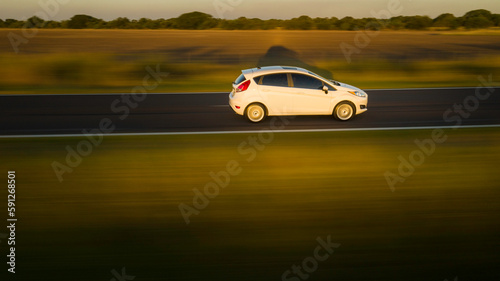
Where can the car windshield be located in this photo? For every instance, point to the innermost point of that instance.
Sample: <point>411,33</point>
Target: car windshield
<point>330,81</point>
<point>312,73</point>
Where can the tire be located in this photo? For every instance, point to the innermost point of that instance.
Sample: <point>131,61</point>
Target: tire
<point>255,113</point>
<point>344,111</point>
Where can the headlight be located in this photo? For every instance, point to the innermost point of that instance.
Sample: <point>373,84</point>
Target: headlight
<point>358,94</point>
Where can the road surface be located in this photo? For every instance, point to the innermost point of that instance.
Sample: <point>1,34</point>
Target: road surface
<point>210,112</point>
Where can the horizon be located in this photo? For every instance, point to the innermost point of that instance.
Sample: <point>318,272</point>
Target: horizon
<point>214,16</point>
<point>59,10</point>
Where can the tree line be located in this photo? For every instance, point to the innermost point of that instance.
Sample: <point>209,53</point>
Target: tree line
<point>199,21</point>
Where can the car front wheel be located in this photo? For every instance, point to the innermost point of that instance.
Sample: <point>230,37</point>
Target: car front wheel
<point>344,111</point>
<point>255,113</point>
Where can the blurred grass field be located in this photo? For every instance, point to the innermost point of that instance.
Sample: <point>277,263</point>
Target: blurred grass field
<point>119,207</point>
<point>101,61</point>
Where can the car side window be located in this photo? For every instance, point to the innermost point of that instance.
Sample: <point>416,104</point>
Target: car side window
<point>307,82</point>
<point>279,80</point>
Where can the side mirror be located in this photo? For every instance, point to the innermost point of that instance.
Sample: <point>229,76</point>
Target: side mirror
<point>325,89</point>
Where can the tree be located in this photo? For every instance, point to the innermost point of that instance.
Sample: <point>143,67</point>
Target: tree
<point>446,20</point>
<point>496,19</point>
<point>195,20</point>
<point>12,23</point>
<point>255,23</point>
<point>396,23</point>
<point>300,23</point>
<point>241,23</point>
<point>145,23</point>
<point>80,21</point>
<point>52,24</point>
<point>271,24</point>
<point>97,24</point>
<point>35,22</point>
<point>370,23</point>
<point>418,22</point>
<point>325,23</point>
<point>477,22</point>
<point>120,23</point>
<point>347,23</point>
<point>166,23</point>
<point>64,24</point>
<point>478,19</point>
<point>478,13</point>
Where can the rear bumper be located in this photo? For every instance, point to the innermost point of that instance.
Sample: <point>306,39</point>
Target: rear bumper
<point>236,104</point>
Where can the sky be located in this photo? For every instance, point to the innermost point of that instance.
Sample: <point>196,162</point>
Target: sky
<point>231,9</point>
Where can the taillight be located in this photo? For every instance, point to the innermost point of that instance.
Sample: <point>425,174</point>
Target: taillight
<point>243,87</point>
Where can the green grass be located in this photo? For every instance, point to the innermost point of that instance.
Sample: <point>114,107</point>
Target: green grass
<point>119,207</point>
<point>103,73</point>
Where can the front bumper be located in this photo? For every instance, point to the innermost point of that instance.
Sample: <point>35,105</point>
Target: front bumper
<point>362,107</point>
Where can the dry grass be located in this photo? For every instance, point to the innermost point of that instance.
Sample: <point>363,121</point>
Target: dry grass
<point>114,60</point>
<point>310,44</point>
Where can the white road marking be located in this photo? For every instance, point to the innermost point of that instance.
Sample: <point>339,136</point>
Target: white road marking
<point>253,131</point>
<point>423,89</point>
<point>112,94</point>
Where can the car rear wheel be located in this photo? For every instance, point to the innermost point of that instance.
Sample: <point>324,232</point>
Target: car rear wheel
<point>344,111</point>
<point>255,112</point>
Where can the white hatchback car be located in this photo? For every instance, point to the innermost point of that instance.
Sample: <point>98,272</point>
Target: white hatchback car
<point>284,90</point>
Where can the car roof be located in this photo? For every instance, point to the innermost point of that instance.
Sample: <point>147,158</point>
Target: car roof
<point>252,72</point>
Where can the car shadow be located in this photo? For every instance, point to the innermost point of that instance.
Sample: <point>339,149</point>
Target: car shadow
<point>280,55</point>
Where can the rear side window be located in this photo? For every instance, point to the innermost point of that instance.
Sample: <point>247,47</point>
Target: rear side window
<point>306,82</point>
<point>240,79</point>
<point>280,80</point>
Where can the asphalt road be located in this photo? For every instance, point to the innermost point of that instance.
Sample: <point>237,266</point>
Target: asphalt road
<point>202,112</point>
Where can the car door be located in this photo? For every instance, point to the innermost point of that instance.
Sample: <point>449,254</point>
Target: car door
<point>309,97</point>
<point>276,93</point>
